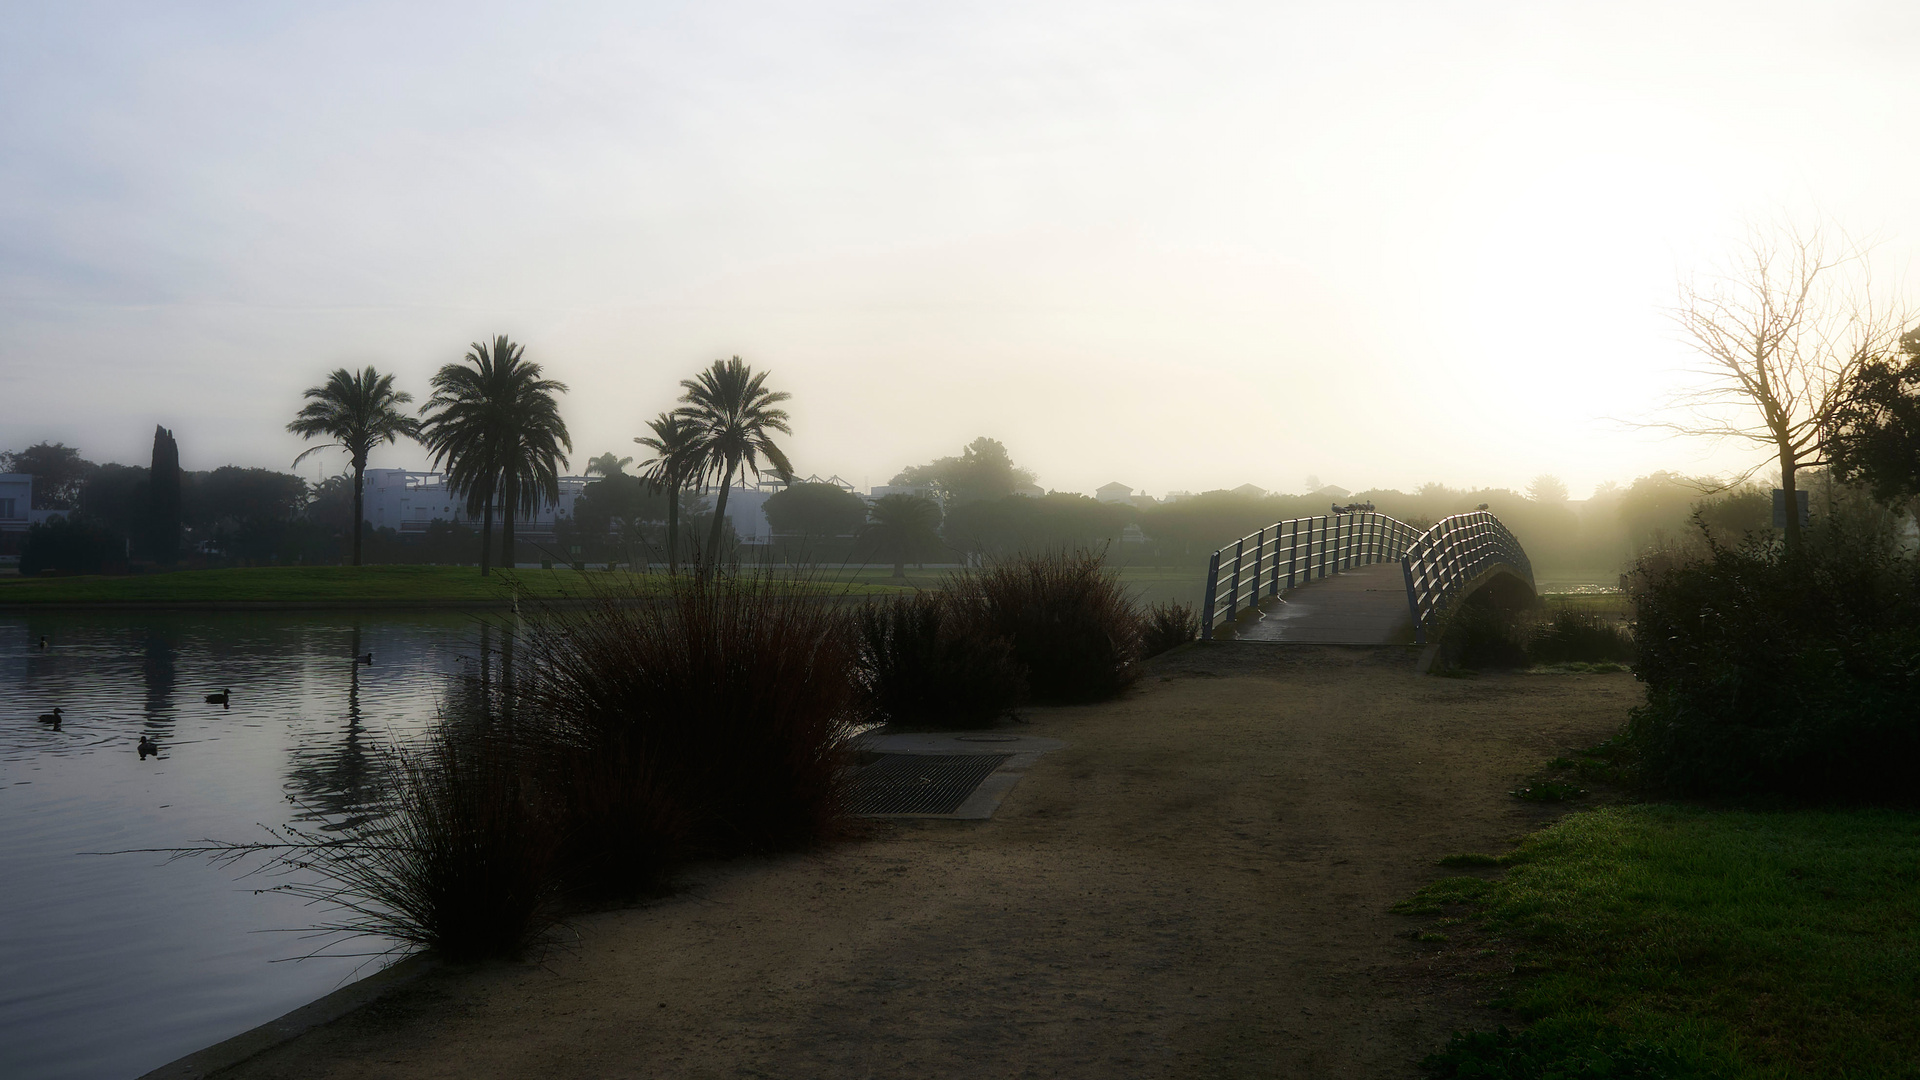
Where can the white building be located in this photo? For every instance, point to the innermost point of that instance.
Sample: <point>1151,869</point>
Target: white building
<point>16,501</point>
<point>408,500</point>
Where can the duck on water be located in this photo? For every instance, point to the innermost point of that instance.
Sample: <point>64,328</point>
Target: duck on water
<point>220,698</point>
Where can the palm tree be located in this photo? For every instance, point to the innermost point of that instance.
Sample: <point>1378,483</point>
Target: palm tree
<point>734,412</point>
<point>357,409</point>
<point>608,465</point>
<point>903,528</point>
<point>496,424</point>
<point>678,455</point>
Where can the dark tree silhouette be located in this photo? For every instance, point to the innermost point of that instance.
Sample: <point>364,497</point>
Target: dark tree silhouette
<point>815,510</point>
<point>358,410</point>
<point>1874,436</point>
<point>496,423</point>
<point>735,413</point>
<point>163,498</point>
<point>678,456</point>
<point>984,470</point>
<point>59,473</point>
<point>903,529</point>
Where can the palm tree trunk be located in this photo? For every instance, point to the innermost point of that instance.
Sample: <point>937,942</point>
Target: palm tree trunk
<point>359,506</point>
<point>486,537</point>
<point>719,516</point>
<point>673,529</point>
<point>506,522</point>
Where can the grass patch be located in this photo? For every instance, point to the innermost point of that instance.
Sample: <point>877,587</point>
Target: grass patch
<point>354,585</point>
<point>1682,941</point>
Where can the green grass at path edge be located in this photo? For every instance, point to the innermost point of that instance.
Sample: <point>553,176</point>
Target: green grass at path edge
<point>1715,943</point>
<point>348,584</point>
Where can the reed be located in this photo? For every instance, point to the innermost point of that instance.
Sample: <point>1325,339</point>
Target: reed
<point>710,720</point>
<point>1073,626</point>
<point>924,660</point>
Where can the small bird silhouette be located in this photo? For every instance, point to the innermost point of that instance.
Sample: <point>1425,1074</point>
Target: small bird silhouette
<point>43,641</point>
<point>364,658</point>
<point>52,717</point>
<point>148,747</point>
<point>220,698</point>
<point>1482,506</point>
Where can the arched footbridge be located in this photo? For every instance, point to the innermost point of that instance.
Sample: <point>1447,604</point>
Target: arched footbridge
<point>1360,578</point>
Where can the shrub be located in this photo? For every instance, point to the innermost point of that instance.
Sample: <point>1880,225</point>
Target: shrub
<point>1072,625</point>
<point>1168,626</point>
<point>708,721</point>
<point>1573,634</point>
<point>1770,673</point>
<point>70,545</point>
<point>923,660</point>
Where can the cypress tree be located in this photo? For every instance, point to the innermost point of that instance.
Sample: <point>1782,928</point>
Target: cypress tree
<point>163,495</point>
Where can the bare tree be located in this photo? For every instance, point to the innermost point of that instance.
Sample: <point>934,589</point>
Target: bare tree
<point>1782,329</point>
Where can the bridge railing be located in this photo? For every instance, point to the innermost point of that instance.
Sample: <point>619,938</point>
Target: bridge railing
<point>1451,556</point>
<point>1294,552</point>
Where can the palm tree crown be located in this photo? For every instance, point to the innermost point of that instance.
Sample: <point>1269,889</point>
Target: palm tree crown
<point>359,411</point>
<point>496,423</point>
<point>734,412</point>
<point>679,455</point>
<point>903,528</point>
<point>608,465</point>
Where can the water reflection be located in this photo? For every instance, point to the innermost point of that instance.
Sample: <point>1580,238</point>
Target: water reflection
<point>185,965</point>
<point>157,669</point>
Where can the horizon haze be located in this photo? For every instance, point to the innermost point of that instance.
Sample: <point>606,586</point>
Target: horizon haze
<point>1181,248</point>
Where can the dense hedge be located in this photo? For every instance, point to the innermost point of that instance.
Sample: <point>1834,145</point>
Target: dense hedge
<point>1770,673</point>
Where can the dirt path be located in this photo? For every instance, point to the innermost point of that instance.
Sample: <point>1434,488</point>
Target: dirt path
<point>1198,886</point>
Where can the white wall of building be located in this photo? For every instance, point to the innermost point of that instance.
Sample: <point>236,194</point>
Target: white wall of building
<point>16,501</point>
<point>408,500</point>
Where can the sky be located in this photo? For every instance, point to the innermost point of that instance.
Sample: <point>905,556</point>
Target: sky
<point>1181,246</point>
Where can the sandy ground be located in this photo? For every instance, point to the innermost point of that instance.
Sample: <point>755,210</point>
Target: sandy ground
<point>1197,887</point>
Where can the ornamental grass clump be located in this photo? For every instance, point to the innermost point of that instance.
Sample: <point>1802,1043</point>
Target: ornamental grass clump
<point>463,865</point>
<point>924,660</point>
<point>1074,629</point>
<point>707,721</point>
<point>1168,626</point>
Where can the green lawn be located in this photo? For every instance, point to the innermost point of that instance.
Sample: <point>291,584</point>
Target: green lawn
<point>1685,941</point>
<point>377,585</point>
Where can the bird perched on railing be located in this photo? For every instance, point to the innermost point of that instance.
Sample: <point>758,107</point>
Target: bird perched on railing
<point>1482,506</point>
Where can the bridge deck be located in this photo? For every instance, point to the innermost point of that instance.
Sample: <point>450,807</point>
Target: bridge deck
<point>1366,605</point>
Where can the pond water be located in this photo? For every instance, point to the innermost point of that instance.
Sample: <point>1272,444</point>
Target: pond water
<point>111,965</point>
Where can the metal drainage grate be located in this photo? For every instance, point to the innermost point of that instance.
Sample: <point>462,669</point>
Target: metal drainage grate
<point>920,783</point>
